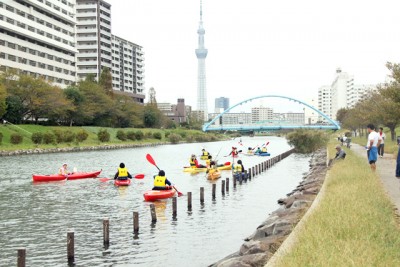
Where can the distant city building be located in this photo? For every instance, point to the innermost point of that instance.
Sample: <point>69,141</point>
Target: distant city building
<point>201,54</point>
<point>38,38</point>
<point>324,101</point>
<point>260,114</point>
<point>93,37</point>
<point>342,93</point>
<point>128,67</point>
<point>310,115</point>
<point>231,118</point>
<point>176,112</point>
<point>221,103</point>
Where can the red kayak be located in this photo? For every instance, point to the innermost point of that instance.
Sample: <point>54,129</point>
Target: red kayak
<point>59,177</point>
<point>122,182</point>
<point>152,195</point>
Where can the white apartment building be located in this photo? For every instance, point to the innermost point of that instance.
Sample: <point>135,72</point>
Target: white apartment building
<point>342,93</point>
<point>259,114</point>
<point>93,37</point>
<point>37,37</point>
<point>231,118</point>
<point>310,115</point>
<point>324,101</point>
<point>127,67</point>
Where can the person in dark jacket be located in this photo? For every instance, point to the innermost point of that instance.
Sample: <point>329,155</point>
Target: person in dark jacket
<point>122,173</point>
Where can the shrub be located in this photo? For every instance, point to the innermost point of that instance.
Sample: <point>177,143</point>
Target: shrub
<point>1,138</point>
<point>157,135</point>
<point>59,136</point>
<point>189,138</point>
<point>48,138</point>
<point>148,135</point>
<point>139,135</point>
<point>81,136</point>
<point>37,138</point>
<point>103,135</point>
<point>307,141</point>
<point>16,138</point>
<point>167,133</point>
<point>68,136</point>
<point>174,138</point>
<point>121,135</point>
<point>131,135</point>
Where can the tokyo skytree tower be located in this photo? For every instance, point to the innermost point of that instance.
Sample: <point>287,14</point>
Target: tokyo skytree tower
<point>201,54</point>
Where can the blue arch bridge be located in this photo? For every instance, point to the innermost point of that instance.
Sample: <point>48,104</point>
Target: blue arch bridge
<point>216,125</point>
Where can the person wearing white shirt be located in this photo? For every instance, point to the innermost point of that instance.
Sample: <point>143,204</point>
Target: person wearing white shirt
<point>373,143</point>
<point>381,148</point>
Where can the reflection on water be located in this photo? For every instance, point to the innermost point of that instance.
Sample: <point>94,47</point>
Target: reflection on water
<point>38,215</point>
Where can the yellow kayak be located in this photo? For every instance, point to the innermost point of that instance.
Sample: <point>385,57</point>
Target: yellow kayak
<point>190,169</point>
<point>213,174</point>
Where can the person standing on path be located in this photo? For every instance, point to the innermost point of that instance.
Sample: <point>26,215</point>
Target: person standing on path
<point>372,146</point>
<point>381,148</point>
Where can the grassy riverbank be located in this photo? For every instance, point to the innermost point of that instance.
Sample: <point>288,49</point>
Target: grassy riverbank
<point>353,225</point>
<point>27,130</point>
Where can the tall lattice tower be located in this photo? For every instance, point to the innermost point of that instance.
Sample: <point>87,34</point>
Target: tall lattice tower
<point>201,54</point>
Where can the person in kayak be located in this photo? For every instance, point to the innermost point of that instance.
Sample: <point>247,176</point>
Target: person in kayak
<point>234,152</point>
<point>238,171</point>
<point>161,182</point>
<point>122,173</point>
<point>64,170</point>
<point>204,153</point>
<point>194,163</point>
<point>258,151</point>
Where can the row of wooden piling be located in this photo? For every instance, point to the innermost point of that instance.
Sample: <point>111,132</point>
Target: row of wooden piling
<point>250,173</point>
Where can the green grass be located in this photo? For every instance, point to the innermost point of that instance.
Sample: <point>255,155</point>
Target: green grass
<point>26,131</point>
<point>353,225</point>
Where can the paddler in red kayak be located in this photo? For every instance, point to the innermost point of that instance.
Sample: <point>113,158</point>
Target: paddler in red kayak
<point>122,173</point>
<point>161,182</point>
<point>63,170</point>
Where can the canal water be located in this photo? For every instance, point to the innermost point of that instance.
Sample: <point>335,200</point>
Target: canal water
<point>39,215</point>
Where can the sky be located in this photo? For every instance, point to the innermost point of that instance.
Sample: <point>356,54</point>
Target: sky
<point>259,47</point>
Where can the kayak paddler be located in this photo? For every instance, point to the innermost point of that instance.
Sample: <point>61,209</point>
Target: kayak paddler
<point>161,182</point>
<point>122,173</point>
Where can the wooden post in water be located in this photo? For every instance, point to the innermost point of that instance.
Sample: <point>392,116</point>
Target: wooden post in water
<point>227,184</point>
<point>249,174</point>
<point>201,195</point>
<point>106,231</point>
<point>174,207</point>
<point>223,187</point>
<point>153,213</point>
<point>21,256</point>
<point>70,247</point>
<point>214,188</point>
<point>189,196</point>
<point>135,222</point>
<point>234,181</point>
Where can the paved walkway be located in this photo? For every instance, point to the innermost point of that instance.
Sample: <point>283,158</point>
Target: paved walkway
<point>386,169</point>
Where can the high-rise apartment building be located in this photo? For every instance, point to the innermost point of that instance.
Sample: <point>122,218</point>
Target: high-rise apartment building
<point>37,37</point>
<point>128,67</point>
<point>342,93</point>
<point>221,103</point>
<point>324,101</point>
<point>93,37</point>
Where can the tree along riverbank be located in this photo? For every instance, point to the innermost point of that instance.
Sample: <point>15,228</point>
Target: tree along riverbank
<point>259,247</point>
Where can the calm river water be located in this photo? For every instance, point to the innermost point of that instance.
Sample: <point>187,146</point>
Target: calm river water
<point>38,215</point>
